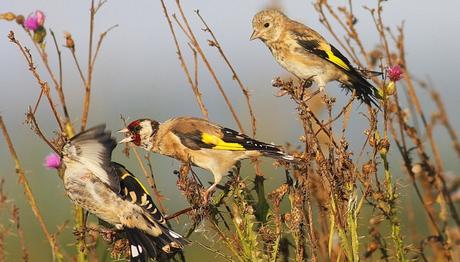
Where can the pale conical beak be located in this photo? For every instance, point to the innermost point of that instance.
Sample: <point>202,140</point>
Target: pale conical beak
<point>126,140</point>
<point>124,130</point>
<point>254,35</point>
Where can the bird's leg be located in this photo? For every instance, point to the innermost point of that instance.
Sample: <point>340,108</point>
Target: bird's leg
<point>208,193</point>
<point>321,84</point>
<point>236,168</point>
<point>305,84</point>
<point>85,219</point>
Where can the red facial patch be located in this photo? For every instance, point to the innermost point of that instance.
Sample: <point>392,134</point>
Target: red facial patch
<point>136,139</point>
<point>132,126</point>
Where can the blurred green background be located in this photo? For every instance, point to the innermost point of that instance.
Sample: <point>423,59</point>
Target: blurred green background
<point>137,74</point>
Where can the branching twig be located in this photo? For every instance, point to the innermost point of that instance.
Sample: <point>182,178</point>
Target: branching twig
<point>43,85</point>
<point>235,76</point>
<point>31,118</point>
<point>193,85</point>
<point>197,46</point>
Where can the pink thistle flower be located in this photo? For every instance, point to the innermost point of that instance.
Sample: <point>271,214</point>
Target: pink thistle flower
<point>40,17</point>
<point>52,160</point>
<point>394,73</point>
<point>31,23</point>
<point>34,21</point>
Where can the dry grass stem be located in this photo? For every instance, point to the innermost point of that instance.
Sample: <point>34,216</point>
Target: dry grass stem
<point>57,255</point>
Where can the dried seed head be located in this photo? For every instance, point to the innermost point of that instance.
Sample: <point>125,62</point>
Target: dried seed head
<point>384,146</point>
<point>369,168</point>
<point>20,19</point>
<point>69,43</point>
<point>9,16</point>
<point>417,169</point>
<point>375,56</point>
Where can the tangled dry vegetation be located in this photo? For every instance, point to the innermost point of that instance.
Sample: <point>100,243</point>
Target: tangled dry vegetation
<point>336,205</point>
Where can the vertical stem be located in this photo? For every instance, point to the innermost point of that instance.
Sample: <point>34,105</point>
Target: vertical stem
<point>86,101</point>
<point>30,196</point>
<point>393,216</point>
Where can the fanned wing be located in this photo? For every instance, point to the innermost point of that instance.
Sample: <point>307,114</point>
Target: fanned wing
<point>93,148</point>
<point>198,133</point>
<point>134,191</point>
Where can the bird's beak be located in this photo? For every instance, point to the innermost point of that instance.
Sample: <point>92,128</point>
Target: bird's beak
<point>126,140</point>
<point>254,35</point>
<point>124,130</point>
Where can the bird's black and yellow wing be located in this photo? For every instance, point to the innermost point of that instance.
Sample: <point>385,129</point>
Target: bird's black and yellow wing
<point>196,134</point>
<point>134,191</point>
<point>312,42</point>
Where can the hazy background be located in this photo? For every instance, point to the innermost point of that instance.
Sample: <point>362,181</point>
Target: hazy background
<point>137,74</point>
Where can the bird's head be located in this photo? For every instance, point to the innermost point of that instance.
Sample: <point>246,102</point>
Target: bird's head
<point>268,25</point>
<point>140,132</point>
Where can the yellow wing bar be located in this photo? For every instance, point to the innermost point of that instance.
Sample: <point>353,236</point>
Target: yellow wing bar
<point>220,144</point>
<point>137,180</point>
<point>336,60</point>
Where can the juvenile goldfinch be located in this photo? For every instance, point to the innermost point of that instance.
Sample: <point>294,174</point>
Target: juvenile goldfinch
<point>200,142</point>
<point>109,191</point>
<point>306,54</point>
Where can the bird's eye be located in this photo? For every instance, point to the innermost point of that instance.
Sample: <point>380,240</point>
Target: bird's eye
<point>266,25</point>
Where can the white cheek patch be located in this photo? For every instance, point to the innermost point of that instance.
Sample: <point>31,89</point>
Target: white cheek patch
<point>174,234</point>
<point>145,133</point>
<point>146,130</point>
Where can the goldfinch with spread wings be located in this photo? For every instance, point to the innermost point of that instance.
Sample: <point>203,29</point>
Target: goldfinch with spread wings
<point>306,54</point>
<point>204,144</point>
<point>109,191</point>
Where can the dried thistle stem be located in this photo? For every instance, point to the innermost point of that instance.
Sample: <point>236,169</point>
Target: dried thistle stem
<point>57,255</point>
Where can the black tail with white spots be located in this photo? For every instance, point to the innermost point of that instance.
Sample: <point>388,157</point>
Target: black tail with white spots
<point>143,246</point>
<point>248,143</point>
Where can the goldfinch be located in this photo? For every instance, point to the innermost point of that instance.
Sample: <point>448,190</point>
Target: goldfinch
<point>109,191</point>
<point>200,142</point>
<point>306,54</point>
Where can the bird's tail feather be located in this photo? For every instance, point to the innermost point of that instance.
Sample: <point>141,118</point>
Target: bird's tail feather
<point>365,91</point>
<point>280,155</point>
<point>141,246</point>
<point>144,246</point>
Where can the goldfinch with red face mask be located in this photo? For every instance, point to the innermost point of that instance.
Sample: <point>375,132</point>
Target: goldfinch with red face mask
<point>110,192</point>
<point>204,144</point>
<point>306,54</point>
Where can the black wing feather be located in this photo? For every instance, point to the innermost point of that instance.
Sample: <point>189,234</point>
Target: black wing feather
<point>232,136</point>
<point>365,90</point>
<point>192,140</point>
<point>129,184</point>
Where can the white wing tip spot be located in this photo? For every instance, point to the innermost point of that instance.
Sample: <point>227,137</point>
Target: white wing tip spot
<point>135,250</point>
<point>174,234</point>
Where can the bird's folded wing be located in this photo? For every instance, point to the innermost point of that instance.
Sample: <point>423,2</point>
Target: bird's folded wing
<point>201,134</point>
<point>133,190</point>
<point>313,43</point>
